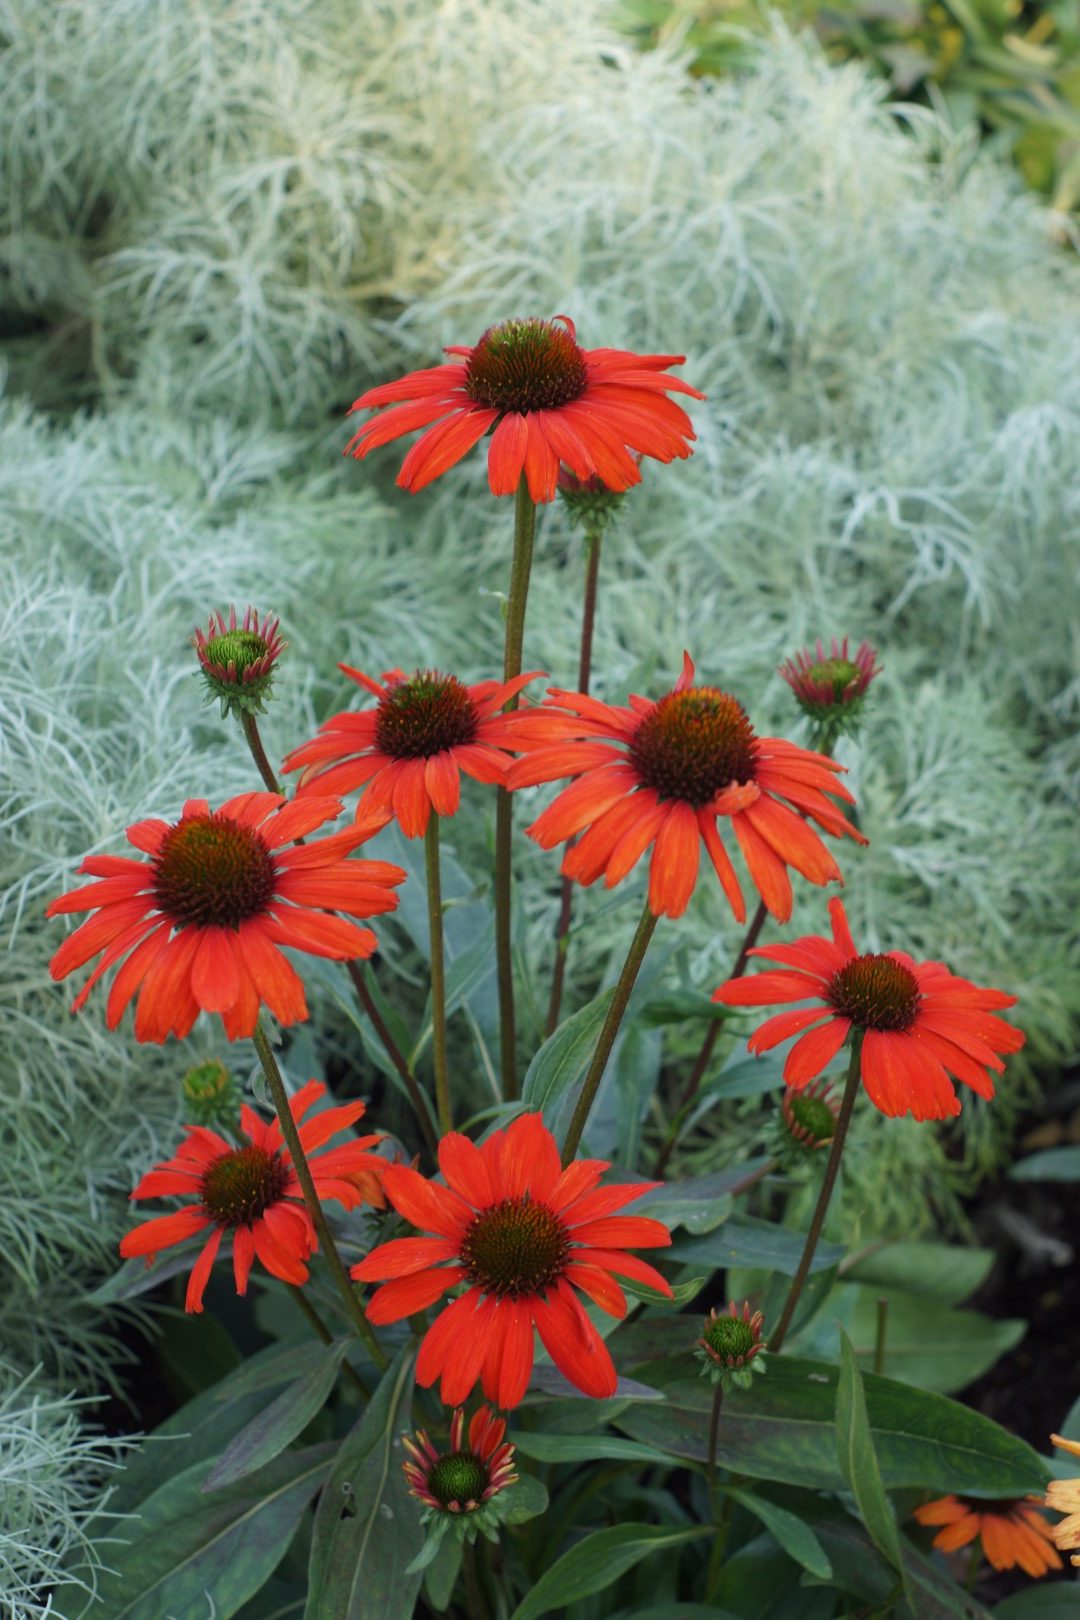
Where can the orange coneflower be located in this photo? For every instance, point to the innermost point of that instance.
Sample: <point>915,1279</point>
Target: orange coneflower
<point>252,1193</point>
<point>412,746</point>
<point>200,926</point>
<point>918,1022</point>
<point>663,774</point>
<point>1063,1495</point>
<point>522,1233</point>
<point>547,399</point>
<point>1011,1531</point>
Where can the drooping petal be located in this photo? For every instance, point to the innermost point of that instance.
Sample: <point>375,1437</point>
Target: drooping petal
<point>405,1295</point>
<point>200,1274</point>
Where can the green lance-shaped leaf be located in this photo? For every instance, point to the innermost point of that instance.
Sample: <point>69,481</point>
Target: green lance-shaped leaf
<point>185,1554</point>
<point>858,1460</point>
<point>783,1429</point>
<point>367,1528</point>
<point>1052,1164</point>
<point>796,1538</point>
<point>568,1448</point>
<point>564,1056</point>
<point>279,1423</point>
<point>597,1561</point>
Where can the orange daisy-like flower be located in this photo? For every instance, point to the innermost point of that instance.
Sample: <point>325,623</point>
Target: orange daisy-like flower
<point>663,774</point>
<point>1011,1531</point>
<point>547,399</point>
<point>252,1192</point>
<point>919,1023</point>
<point>411,748</point>
<point>467,1476</point>
<point>200,926</point>
<point>1063,1495</point>
<point>522,1233</point>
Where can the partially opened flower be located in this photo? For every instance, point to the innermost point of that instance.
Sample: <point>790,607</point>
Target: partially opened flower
<point>250,1193</point>
<point>1063,1495</point>
<point>237,660</point>
<point>547,399</point>
<point>200,926</point>
<point>465,1481</point>
<point>1011,1531</point>
<point>663,775</point>
<point>831,687</point>
<point>522,1234</point>
<point>588,501</point>
<point>809,1116</point>
<point>918,1023</point>
<point>408,752</point>
<point>731,1348</point>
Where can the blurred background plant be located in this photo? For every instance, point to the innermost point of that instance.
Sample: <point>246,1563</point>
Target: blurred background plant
<point>1012,68</point>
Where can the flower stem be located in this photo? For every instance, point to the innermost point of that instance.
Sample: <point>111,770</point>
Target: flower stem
<point>619,999</point>
<point>438,974</point>
<point>325,1335</point>
<point>714,1434</point>
<point>473,1599</point>
<point>851,1088</point>
<point>701,1062</point>
<point>562,928</point>
<point>396,1056</point>
<point>355,971</point>
<point>520,568</point>
<point>311,1198</point>
<point>258,752</point>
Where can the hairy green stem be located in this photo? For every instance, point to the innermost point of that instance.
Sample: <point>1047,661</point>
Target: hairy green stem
<point>619,999</point>
<point>704,1057</point>
<point>562,928</point>
<point>258,752</point>
<point>396,1056</point>
<point>520,569</point>
<point>326,1336</point>
<point>851,1088</point>
<point>311,1198</point>
<point>714,1434</point>
<point>438,974</point>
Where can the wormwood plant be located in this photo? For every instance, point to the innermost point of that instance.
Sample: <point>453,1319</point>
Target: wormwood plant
<point>513,1312</point>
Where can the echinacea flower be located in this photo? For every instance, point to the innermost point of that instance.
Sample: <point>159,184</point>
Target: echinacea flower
<point>200,926</point>
<point>918,1023</point>
<point>663,774</point>
<point>547,399</point>
<point>831,687</point>
<point>251,1192</point>
<point>1063,1495</point>
<point>237,660</point>
<point>463,1482</point>
<point>411,748</point>
<point>731,1345</point>
<point>1011,1531</point>
<point>810,1115</point>
<point>521,1233</point>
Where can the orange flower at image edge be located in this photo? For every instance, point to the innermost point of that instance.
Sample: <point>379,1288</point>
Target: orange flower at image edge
<point>200,926</point>
<point>1011,1532</point>
<point>1063,1495</point>
<point>662,775</point>
<point>548,400</point>
<point>252,1192</point>
<point>522,1233</point>
<point>411,748</point>
<point>919,1023</point>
